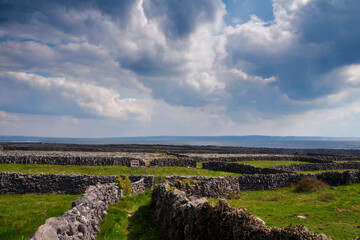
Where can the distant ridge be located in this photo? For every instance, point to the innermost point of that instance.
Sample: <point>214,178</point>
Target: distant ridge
<point>171,138</point>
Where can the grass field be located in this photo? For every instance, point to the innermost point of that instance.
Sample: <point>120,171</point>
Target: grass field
<point>263,164</point>
<point>111,170</point>
<point>130,218</point>
<point>333,211</point>
<point>21,215</point>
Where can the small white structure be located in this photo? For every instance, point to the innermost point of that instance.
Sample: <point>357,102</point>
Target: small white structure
<point>134,163</point>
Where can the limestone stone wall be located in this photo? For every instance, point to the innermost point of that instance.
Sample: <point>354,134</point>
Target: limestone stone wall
<point>138,187</point>
<point>83,219</point>
<point>339,178</point>
<point>255,182</point>
<point>265,157</point>
<point>187,217</point>
<point>317,166</point>
<point>205,186</point>
<point>181,162</point>
<point>67,160</point>
<point>222,186</point>
<point>19,183</point>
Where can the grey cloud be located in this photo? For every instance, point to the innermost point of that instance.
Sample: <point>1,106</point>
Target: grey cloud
<point>179,18</point>
<point>21,98</point>
<point>105,42</point>
<point>333,25</point>
<point>325,33</point>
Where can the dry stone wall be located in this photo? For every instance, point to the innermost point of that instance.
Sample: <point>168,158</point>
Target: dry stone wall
<point>173,162</point>
<point>19,183</point>
<point>263,157</point>
<point>148,180</point>
<point>222,186</point>
<point>255,182</point>
<point>83,219</point>
<point>68,160</point>
<point>205,186</point>
<point>138,187</point>
<point>187,217</point>
<point>339,178</point>
<point>317,166</point>
<point>248,169</point>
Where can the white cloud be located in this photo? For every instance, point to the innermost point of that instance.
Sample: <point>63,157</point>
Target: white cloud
<point>96,99</point>
<point>69,119</point>
<point>256,79</point>
<point>148,66</point>
<point>205,83</point>
<point>8,120</point>
<point>259,37</point>
<point>348,75</point>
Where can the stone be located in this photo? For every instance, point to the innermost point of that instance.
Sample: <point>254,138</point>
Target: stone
<point>45,232</point>
<point>183,218</point>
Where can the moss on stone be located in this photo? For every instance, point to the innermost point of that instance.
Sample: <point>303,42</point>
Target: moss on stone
<point>124,184</point>
<point>169,189</point>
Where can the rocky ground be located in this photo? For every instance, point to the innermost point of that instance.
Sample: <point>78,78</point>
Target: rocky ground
<point>138,155</point>
<point>170,149</point>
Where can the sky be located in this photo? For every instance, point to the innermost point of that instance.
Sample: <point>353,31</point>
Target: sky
<point>105,68</point>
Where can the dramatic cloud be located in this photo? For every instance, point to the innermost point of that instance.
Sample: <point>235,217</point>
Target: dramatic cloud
<point>98,100</point>
<point>151,67</point>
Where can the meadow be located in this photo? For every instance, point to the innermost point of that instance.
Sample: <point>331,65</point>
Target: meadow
<point>22,214</point>
<point>333,211</point>
<point>264,164</point>
<point>111,170</point>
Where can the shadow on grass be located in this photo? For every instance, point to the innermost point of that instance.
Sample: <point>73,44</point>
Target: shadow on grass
<point>131,218</point>
<point>142,225</point>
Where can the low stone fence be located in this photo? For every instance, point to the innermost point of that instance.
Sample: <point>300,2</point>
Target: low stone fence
<point>19,183</point>
<point>339,178</point>
<point>239,168</point>
<point>257,182</point>
<point>205,186</point>
<point>183,162</point>
<point>83,219</point>
<point>215,187</point>
<point>148,180</point>
<point>138,187</point>
<point>187,217</point>
<point>69,160</point>
<point>319,159</point>
<point>317,166</point>
<point>271,181</point>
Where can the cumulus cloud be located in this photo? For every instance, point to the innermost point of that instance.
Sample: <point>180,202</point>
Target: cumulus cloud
<point>205,83</point>
<point>98,100</point>
<point>347,75</point>
<point>138,60</point>
<point>244,76</point>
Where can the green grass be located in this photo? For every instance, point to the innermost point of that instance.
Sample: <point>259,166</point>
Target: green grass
<point>22,214</point>
<point>263,164</point>
<point>111,170</point>
<point>333,211</point>
<point>130,218</point>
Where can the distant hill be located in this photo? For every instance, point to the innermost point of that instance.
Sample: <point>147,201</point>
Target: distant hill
<point>170,139</point>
